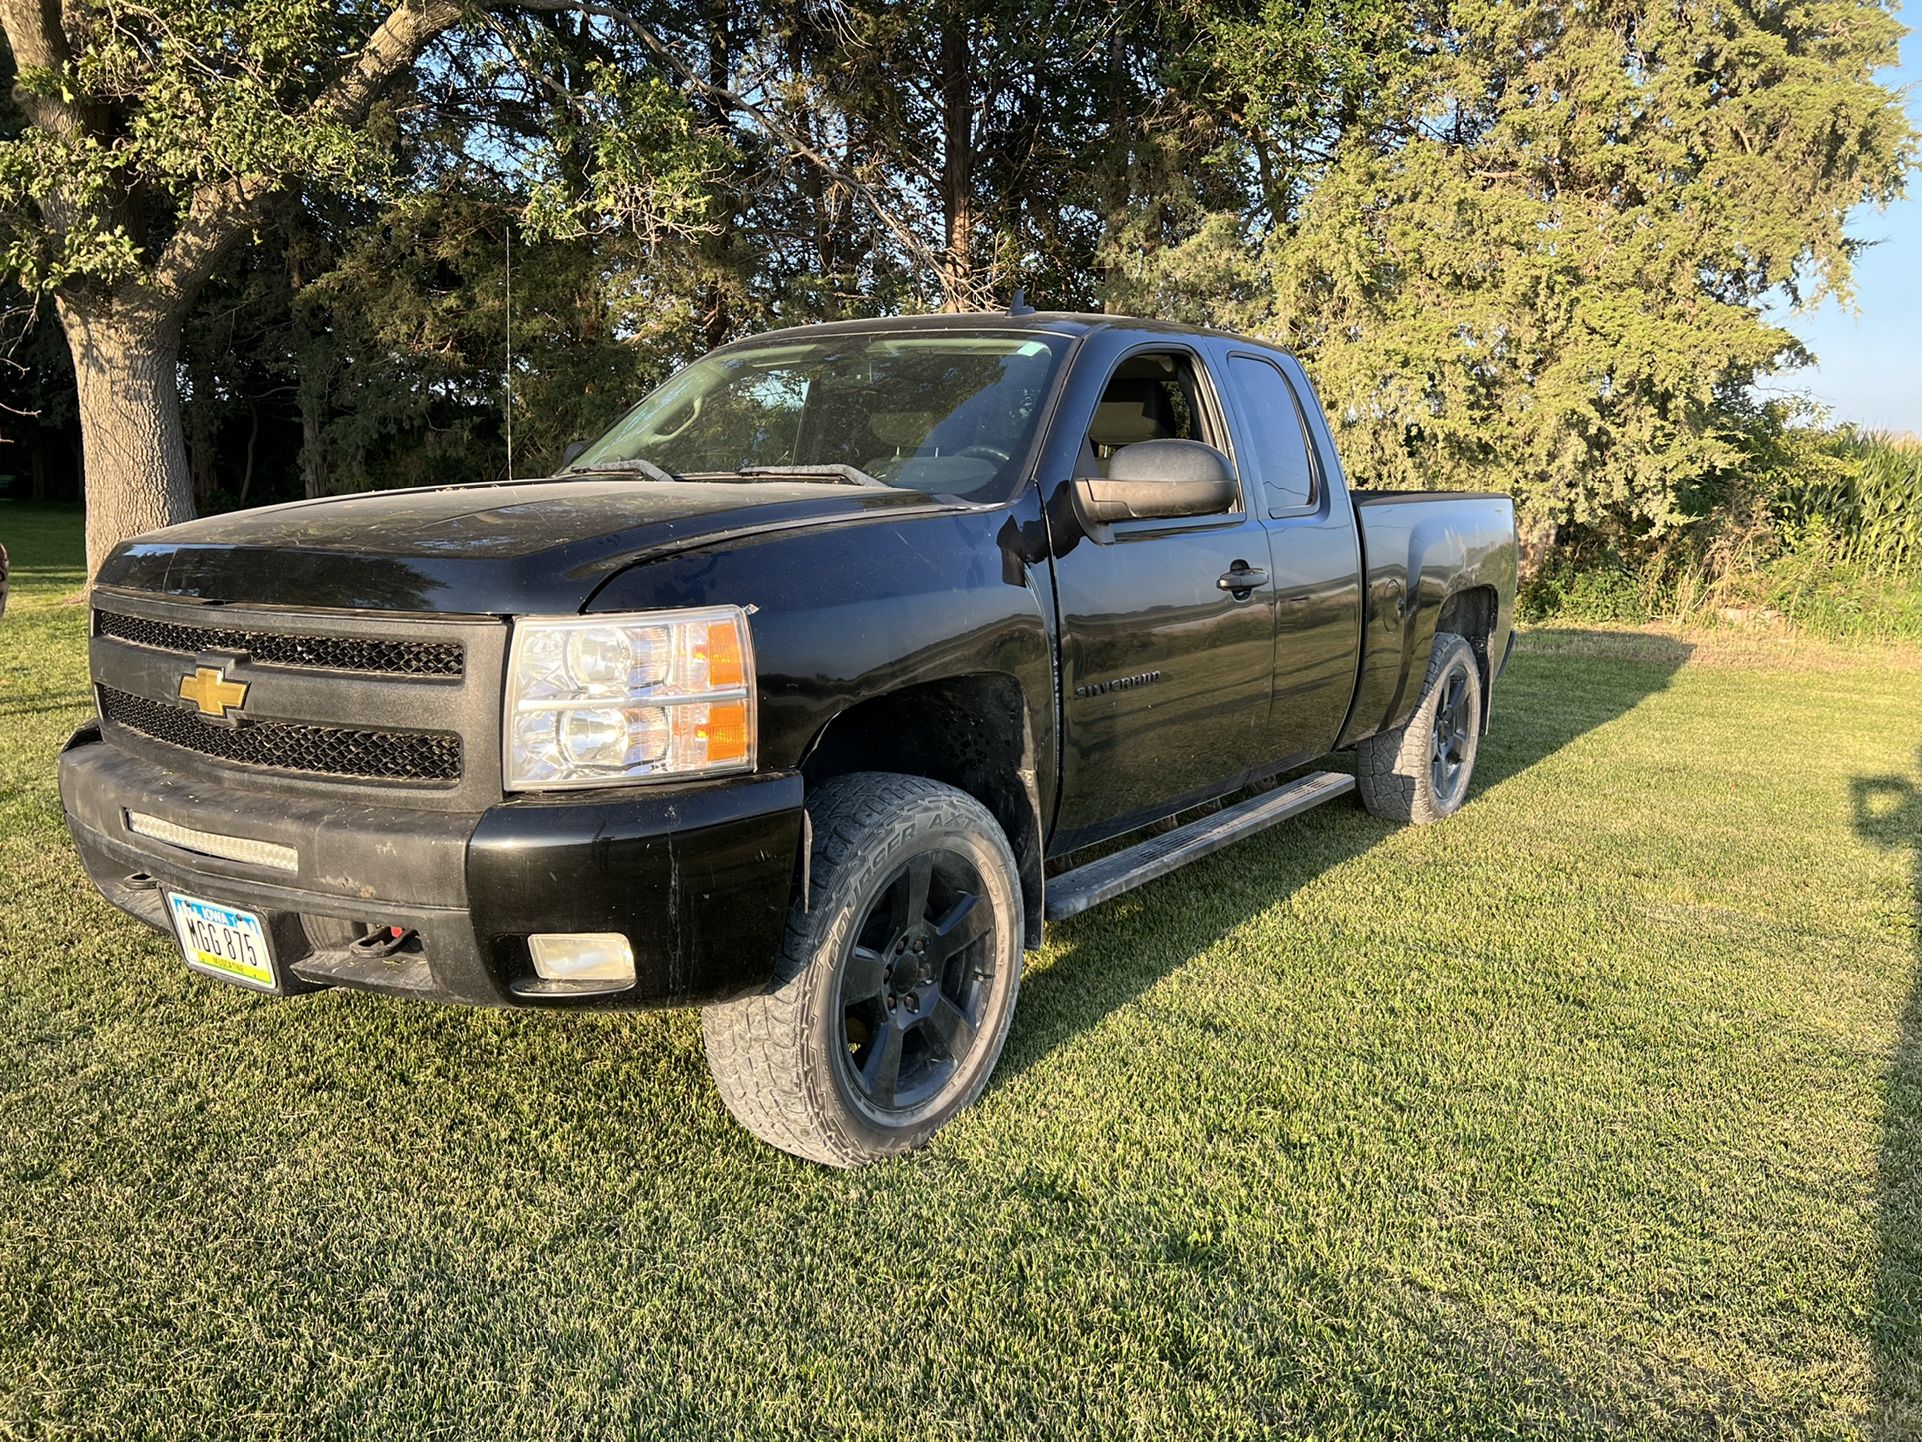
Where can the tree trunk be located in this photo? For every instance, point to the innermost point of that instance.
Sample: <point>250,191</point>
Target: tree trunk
<point>125,360</point>
<point>313,374</point>
<point>203,437</point>
<point>957,166</point>
<point>314,479</point>
<point>253,435</point>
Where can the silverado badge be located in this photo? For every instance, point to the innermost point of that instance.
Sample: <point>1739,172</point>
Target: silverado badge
<point>212,692</point>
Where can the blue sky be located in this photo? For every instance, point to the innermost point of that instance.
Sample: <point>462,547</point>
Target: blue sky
<point>1870,362</point>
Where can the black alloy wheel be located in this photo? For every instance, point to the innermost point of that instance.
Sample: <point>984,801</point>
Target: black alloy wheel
<point>918,983</point>
<point>1420,771</point>
<point>1448,752</point>
<point>897,980</point>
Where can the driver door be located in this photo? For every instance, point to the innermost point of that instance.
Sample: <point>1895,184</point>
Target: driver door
<point>1166,672</point>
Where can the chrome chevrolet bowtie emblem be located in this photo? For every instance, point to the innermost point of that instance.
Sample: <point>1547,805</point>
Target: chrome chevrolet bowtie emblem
<point>212,693</point>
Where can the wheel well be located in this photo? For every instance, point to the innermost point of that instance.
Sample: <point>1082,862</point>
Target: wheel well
<point>970,732</point>
<point>1471,614</point>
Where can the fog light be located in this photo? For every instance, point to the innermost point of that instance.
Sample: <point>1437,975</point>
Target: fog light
<point>582,956</point>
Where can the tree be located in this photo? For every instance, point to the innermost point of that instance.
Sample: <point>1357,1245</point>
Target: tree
<point>1534,256</point>
<point>1600,208</point>
<point>1523,245</point>
<point>156,130</point>
<point>156,133</point>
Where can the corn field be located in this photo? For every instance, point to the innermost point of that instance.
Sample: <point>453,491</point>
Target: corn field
<point>1868,511</point>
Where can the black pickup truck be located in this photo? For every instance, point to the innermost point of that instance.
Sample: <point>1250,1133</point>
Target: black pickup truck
<point>788,697</point>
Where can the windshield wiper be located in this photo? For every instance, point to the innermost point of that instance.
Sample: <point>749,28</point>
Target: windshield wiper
<point>846,475</point>
<point>638,465</point>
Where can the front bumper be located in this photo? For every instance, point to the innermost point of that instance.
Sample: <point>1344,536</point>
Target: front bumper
<point>698,878</point>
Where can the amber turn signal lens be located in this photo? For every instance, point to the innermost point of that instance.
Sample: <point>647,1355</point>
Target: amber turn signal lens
<point>724,733</point>
<point>725,665</point>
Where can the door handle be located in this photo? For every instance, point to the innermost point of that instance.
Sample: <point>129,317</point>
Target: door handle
<point>1242,578</point>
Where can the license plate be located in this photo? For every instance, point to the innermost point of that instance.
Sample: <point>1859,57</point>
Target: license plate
<point>223,941</point>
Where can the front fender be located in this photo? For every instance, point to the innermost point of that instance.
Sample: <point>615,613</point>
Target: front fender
<point>847,613</point>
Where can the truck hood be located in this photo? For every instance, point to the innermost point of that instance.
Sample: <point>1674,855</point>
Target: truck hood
<point>514,548</point>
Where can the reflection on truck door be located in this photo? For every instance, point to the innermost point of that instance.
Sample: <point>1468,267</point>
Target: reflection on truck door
<point>1165,675</point>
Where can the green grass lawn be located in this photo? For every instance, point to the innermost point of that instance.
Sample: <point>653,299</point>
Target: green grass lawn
<point>1591,1111</point>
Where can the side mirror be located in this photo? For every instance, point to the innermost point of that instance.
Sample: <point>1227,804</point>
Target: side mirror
<point>1156,480</point>
<point>572,453</point>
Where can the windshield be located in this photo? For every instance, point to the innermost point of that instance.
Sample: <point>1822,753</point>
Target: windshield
<point>942,413</point>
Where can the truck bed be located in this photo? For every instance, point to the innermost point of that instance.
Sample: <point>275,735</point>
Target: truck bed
<point>1426,557</point>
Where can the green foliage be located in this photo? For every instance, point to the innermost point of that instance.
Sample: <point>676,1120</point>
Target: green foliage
<point>626,155</point>
<point>1523,247</point>
<point>1865,508</point>
<point>1851,540</point>
<point>1840,598</point>
<point>214,91</point>
<point>91,246</point>
<point>195,94</point>
<point>1533,254</point>
<point>410,357</point>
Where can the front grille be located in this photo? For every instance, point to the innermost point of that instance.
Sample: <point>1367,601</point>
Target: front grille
<point>332,653</point>
<point>315,750</point>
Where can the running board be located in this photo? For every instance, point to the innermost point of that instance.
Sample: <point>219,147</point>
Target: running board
<point>1075,891</point>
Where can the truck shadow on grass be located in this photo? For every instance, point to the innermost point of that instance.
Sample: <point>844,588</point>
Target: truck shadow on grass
<point>1888,815</point>
<point>1111,956</point>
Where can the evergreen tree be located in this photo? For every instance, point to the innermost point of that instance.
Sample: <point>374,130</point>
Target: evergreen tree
<point>1535,254</point>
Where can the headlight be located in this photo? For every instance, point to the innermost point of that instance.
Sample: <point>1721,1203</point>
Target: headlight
<point>598,700</point>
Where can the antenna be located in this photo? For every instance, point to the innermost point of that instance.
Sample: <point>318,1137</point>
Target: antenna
<point>507,374</point>
<point>1019,304</point>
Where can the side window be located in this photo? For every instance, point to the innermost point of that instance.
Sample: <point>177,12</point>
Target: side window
<point>1149,397</point>
<point>1274,427</point>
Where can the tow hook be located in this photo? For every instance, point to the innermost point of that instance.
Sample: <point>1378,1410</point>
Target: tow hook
<point>383,942</point>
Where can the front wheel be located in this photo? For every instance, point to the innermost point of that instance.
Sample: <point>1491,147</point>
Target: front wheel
<point>1419,772</point>
<point>896,983</point>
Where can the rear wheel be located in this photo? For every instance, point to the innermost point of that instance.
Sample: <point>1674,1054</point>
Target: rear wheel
<point>1420,772</point>
<point>894,990</point>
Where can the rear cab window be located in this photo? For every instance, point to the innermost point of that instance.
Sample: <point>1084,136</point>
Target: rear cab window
<point>1271,417</point>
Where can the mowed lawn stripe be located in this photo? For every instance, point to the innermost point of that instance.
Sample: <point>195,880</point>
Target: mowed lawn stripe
<point>1592,1111</point>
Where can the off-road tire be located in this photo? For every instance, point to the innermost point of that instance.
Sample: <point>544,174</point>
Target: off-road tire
<point>781,1056</point>
<point>1395,770</point>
